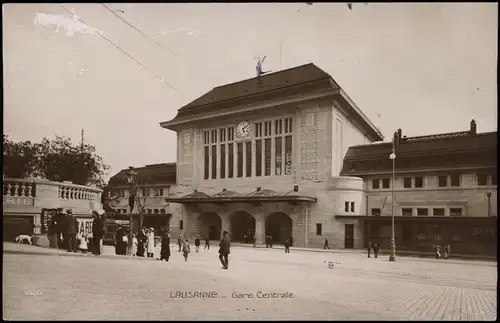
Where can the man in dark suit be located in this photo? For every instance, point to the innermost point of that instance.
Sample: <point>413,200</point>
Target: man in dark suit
<point>97,231</point>
<point>224,250</point>
<point>71,229</point>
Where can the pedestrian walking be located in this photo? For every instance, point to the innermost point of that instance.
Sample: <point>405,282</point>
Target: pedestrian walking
<point>186,249</point>
<point>197,243</point>
<point>224,250</point>
<point>165,247</point>
<point>179,242</point>
<point>207,243</point>
<point>369,249</point>
<point>447,250</point>
<point>71,227</point>
<point>291,241</point>
<point>437,251</point>
<point>376,249</point>
<point>326,246</point>
<point>287,246</point>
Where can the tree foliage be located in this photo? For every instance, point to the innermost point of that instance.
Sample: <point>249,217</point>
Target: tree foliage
<point>55,160</point>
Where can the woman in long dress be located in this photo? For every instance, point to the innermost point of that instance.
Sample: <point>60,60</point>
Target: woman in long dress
<point>165,246</point>
<point>151,243</point>
<point>134,245</point>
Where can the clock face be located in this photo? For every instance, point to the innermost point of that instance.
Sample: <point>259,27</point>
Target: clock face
<point>243,129</point>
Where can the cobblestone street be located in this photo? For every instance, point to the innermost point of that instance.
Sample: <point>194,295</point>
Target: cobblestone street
<point>88,287</point>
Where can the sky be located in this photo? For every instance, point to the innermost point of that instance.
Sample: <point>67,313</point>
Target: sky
<point>422,67</point>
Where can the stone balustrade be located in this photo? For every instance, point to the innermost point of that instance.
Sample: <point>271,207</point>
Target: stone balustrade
<point>31,195</point>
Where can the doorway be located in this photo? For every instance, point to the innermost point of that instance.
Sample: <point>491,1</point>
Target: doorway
<point>349,236</point>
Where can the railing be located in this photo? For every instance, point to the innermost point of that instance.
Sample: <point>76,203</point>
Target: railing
<point>41,193</point>
<point>18,188</point>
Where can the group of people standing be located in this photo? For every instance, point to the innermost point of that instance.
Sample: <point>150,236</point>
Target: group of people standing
<point>63,233</point>
<point>142,245</point>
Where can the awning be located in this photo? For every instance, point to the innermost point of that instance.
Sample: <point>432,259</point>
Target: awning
<point>225,196</point>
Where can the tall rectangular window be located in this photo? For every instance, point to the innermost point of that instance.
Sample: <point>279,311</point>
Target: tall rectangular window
<point>407,182</point>
<point>352,207</point>
<point>319,229</point>
<point>455,180</point>
<point>267,157</point>
<point>419,181</point>
<point>385,183</point>
<point>214,161</point>
<point>278,151</point>
<point>223,161</point>
<point>346,206</point>
<point>239,160</point>
<point>288,155</point>
<point>442,181</point>
<point>258,157</point>
<point>230,160</point>
<point>482,179</point>
<point>375,184</point>
<point>206,162</point>
<point>248,145</point>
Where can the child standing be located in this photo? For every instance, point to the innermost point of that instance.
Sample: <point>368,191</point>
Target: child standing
<point>186,249</point>
<point>135,243</point>
<point>197,244</point>
<point>83,244</point>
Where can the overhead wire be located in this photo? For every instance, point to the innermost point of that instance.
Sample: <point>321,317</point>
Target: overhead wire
<point>136,29</point>
<point>126,53</point>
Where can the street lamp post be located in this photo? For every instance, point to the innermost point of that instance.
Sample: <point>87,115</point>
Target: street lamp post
<point>131,201</point>
<point>488,195</point>
<point>392,247</point>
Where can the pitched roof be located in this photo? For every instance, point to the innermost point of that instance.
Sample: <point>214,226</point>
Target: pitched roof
<point>258,85</point>
<point>417,147</point>
<point>151,174</point>
<point>291,83</point>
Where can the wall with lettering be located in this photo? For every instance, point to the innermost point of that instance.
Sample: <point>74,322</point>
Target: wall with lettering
<point>85,226</point>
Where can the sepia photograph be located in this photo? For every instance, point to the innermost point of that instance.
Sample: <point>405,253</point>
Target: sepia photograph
<point>250,161</point>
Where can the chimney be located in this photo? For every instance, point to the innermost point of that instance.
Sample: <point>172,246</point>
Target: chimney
<point>473,127</point>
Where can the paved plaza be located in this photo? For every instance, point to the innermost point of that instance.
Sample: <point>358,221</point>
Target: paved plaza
<point>66,286</point>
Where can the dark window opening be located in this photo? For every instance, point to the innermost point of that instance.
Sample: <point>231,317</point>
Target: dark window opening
<point>249,158</point>
<point>455,180</point>
<point>239,161</point>
<point>407,182</point>
<point>258,157</point>
<point>422,212</point>
<point>438,212</point>
<point>230,160</point>
<point>278,157</point>
<point>319,229</point>
<point>267,157</point>
<point>346,207</point>
<point>419,182</point>
<point>406,212</point>
<point>385,183</point>
<point>223,161</point>
<point>443,181</point>
<point>482,179</point>
<point>455,211</point>
<point>214,162</point>
<point>375,184</point>
<point>376,212</point>
<point>206,162</point>
<point>352,207</point>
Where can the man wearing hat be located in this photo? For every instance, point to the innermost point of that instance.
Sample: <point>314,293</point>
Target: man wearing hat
<point>71,229</point>
<point>224,250</point>
<point>97,231</point>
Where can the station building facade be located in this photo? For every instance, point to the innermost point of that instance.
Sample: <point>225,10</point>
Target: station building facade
<point>445,191</point>
<point>263,156</point>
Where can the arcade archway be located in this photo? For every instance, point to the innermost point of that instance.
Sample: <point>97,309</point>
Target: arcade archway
<point>279,226</point>
<point>242,227</point>
<point>211,225</point>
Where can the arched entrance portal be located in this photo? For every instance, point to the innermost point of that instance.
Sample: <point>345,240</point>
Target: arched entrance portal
<point>279,226</point>
<point>242,227</point>
<point>211,225</point>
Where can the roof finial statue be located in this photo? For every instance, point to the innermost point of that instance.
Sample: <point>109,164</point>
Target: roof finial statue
<point>259,66</point>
